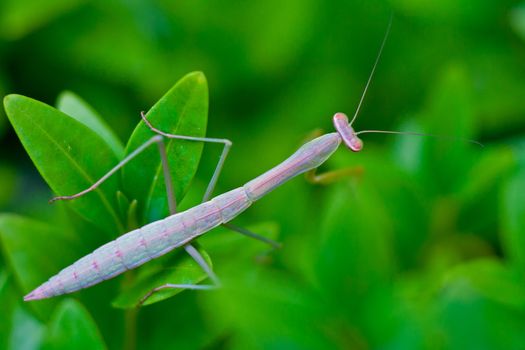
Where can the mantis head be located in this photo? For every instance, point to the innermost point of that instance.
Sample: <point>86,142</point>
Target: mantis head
<point>347,133</point>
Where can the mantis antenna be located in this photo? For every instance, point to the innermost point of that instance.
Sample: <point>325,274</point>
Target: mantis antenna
<point>419,134</point>
<point>373,69</point>
<point>351,139</point>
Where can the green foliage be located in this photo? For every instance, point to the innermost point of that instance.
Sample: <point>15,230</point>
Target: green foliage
<point>63,148</point>
<point>71,326</point>
<point>22,240</point>
<point>20,18</point>
<point>9,298</point>
<point>473,295</point>
<point>366,232</point>
<point>27,332</point>
<point>518,20</point>
<point>183,110</point>
<point>423,250</point>
<point>75,107</point>
<point>513,229</point>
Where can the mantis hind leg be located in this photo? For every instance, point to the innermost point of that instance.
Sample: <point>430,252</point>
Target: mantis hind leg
<point>248,233</point>
<point>194,253</point>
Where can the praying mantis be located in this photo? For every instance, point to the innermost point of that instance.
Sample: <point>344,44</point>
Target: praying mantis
<point>181,228</point>
<point>158,238</point>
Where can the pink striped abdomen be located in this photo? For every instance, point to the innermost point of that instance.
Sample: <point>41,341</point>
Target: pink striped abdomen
<point>141,245</point>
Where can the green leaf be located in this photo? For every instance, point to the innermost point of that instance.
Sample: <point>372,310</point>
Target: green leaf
<point>484,299</point>
<point>450,112</point>
<point>489,168</point>
<point>492,279</point>
<point>69,156</point>
<point>131,215</point>
<point>72,327</point>
<point>27,332</point>
<point>517,20</point>
<point>36,251</point>
<point>75,107</point>
<point>177,269</point>
<point>408,151</point>
<point>354,253</point>
<point>513,219</point>
<point>183,110</point>
<point>123,204</point>
<point>8,301</point>
<point>264,308</point>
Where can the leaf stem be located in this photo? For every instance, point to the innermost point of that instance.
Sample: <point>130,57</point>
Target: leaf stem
<point>130,319</point>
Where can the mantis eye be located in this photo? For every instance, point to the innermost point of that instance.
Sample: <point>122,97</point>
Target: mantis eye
<point>356,144</point>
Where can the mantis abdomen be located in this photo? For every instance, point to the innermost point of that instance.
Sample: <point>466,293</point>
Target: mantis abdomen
<point>144,244</point>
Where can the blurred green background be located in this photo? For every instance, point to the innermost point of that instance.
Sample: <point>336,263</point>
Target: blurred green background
<point>424,250</point>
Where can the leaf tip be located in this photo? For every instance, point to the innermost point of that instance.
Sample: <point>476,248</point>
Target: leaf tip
<point>65,94</point>
<point>8,99</point>
<point>198,76</point>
